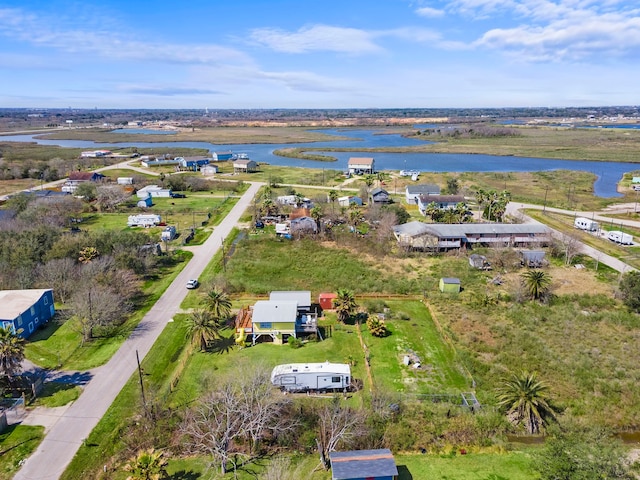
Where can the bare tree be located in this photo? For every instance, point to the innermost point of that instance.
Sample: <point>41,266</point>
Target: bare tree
<point>212,426</point>
<point>280,468</point>
<point>109,196</point>
<point>569,245</point>
<point>59,274</point>
<point>336,425</point>
<point>92,306</point>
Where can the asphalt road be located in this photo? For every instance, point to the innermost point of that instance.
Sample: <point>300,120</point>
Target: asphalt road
<point>76,423</point>
<point>514,209</point>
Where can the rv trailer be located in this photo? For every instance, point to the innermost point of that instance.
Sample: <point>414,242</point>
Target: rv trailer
<point>304,377</point>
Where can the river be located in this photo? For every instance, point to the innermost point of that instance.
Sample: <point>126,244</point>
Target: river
<point>608,173</point>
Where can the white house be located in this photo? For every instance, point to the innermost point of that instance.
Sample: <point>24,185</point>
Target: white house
<point>153,191</point>
<point>245,166</point>
<point>412,192</point>
<point>442,202</point>
<point>209,170</point>
<point>361,165</point>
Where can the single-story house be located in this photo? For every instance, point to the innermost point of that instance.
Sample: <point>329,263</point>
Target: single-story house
<point>349,200</point>
<point>76,178</point>
<point>449,285</point>
<point>222,156</point>
<point>443,202</point>
<point>192,163</point>
<point>380,195</point>
<point>412,192</point>
<point>209,170</point>
<point>245,166</point>
<point>441,236</point>
<point>96,154</point>
<point>157,162</point>
<point>361,165</point>
<point>22,311</point>
<point>153,191</point>
<point>376,464</point>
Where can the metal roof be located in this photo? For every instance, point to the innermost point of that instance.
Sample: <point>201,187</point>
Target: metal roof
<point>425,188</point>
<point>16,302</point>
<point>301,297</point>
<point>461,230</point>
<point>362,464</point>
<point>271,311</point>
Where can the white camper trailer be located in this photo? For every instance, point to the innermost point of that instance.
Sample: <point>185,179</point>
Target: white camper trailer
<point>585,224</point>
<point>620,237</point>
<point>143,220</point>
<point>304,377</point>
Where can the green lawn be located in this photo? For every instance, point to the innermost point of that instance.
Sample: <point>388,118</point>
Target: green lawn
<point>439,372</point>
<point>17,442</point>
<point>55,394</point>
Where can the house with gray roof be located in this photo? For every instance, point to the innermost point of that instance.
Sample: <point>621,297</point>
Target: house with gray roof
<point>441,236</point>
<point>412,192</point>
<point>442,202</point>
<point>376,464</point>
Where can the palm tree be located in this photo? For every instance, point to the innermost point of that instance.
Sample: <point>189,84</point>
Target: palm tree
<point>345,304</point>
<point>316,214</point>
<point>202,328</point>
<point>11,352</point>
<point>218,304</point>
<point>147,465</point>
<point>537,283</point>
<point>525,399</point>
<point>333,196</point>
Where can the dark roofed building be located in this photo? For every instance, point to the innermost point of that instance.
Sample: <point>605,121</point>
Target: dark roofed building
<point>363,465</point>
<point>380,195</point>
<point>443,202</point>
<point>412,192</point>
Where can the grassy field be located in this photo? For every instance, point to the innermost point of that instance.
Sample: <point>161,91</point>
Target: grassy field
<point>56,395</point>
<point>17,442</point>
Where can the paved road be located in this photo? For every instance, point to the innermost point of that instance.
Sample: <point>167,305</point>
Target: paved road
<point>514,209</point>
<point>76,423</point>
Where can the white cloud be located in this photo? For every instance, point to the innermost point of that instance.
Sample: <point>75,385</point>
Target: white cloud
<point>430,12</point>
<point>316,38</point>
<point>28,28</point>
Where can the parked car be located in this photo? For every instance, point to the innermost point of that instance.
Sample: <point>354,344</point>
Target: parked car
<point>193,283</point>
<point>178,195</point>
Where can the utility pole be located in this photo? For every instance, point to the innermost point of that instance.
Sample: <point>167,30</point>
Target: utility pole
<point>544,207</point>
<point>144,400</point>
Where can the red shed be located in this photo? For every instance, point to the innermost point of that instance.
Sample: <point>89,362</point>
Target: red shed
<point>326,300</point>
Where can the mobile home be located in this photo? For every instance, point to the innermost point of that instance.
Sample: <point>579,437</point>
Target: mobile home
<point>585,224</point>
<point>620,237</point>
<point>303,377</point>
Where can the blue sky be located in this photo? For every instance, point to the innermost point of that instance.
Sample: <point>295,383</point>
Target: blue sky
<point>319,53</point>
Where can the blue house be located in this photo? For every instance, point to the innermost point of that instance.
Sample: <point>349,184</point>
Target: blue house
<point>363,465</point>
<point>193,163</point>
<point>222,156</point>
<point>25,310</point>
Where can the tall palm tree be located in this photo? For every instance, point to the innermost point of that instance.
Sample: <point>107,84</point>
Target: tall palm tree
<point>525,400</point>
<point>345,304</point>
<point>333,196</point>
<point>11,352</point>
<point>147,465</point>
<point>218,303</point>
<point>537,283</point>
<point>202,328</point>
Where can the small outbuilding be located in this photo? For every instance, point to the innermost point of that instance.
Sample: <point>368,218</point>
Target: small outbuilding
<point>450,285</point>
<point>326,300</point>
<point>532,258</point>
<point>380,195</point>
<point>376,464</point>
<point>245,166</point>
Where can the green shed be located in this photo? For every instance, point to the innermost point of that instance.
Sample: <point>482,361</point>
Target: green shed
<point>449,285</point>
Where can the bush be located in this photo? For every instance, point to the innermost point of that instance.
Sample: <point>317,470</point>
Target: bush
<point>294,342</point>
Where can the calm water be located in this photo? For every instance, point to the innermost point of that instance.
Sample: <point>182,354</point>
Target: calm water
<point>608,173</point>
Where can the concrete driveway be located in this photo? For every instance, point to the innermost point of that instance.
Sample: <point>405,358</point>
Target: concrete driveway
<point>68,429</point>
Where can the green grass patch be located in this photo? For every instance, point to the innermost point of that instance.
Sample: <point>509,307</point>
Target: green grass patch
<point>17,442</point>
<point>414,334</point>
<point>54,394</point>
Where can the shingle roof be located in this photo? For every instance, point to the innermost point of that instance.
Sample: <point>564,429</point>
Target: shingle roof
<point>360,161</point>
<point>362,464</point>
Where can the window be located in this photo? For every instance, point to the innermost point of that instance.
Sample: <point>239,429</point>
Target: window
<point>46,300</point>
<point>19,321</point>
<point>265,325</point>
<point>335,379</point>
<point>33,311</point>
